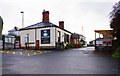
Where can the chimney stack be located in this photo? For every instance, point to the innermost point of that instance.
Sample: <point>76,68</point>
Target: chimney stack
<point>61,24</point>
<point>45,16</point>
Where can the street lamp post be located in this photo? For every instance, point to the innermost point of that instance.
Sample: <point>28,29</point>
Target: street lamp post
<point>22,18</point>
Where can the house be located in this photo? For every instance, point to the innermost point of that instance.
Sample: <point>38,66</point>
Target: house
<point>77,40</point>
<point>92,43</point>
<point>83,40</point>
<point>45,34</point>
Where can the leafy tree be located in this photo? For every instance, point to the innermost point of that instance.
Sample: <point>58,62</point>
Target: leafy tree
<point>115,25</point>
<point>115,20</point>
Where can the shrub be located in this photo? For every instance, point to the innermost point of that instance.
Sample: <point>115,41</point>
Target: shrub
<point>69,46</point>
<point>116,54</point>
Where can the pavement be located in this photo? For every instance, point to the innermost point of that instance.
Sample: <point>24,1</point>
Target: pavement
<point>71,61</point>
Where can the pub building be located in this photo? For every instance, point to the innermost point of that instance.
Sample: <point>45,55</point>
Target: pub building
<point>44,35</point>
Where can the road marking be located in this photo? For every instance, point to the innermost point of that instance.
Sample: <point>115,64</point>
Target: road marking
<point>1,51</point>
<point>28,54</point>
<point>21,53</point>
<point>7,51</point>
<point>45,51</point>
<point>13,52</point>
<point>39,51</point>
<point>35,53</point>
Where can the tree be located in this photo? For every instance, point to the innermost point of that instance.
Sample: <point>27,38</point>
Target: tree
<point>1,27</point>
<point>115,25</point>
<point>115,20</point>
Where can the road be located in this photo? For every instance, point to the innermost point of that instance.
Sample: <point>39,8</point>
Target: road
<point>72,61</point>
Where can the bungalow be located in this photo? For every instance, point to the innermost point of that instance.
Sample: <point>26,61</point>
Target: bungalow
<point>92,43</point>
<point>44,34</point>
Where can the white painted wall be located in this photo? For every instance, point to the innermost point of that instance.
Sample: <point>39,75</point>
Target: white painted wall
<point>53,36</point>
<point>14,33</point>
<point>31,33</point>
<point>62,34</point>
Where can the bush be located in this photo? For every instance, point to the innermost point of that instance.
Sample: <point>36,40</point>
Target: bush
<point>69,46</point>
<point>116,48</point>
<point>116,54</point>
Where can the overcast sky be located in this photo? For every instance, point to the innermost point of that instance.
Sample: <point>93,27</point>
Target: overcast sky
<point>91,14</point>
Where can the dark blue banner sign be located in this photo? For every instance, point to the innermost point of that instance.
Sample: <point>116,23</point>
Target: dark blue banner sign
<point>45,36</point>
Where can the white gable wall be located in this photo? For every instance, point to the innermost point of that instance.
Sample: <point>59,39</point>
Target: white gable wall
<point>31,33</point>
<point>52,36</point>
<point>62,34</point>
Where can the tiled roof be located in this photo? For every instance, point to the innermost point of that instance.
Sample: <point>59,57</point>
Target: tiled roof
<point>42,25</point>
<point>14,29</point>
<point>39,25</point>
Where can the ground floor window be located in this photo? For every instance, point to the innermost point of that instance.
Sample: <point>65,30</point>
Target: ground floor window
<point>66,38</point>
<point>58,36</point>
<point>27,38</point>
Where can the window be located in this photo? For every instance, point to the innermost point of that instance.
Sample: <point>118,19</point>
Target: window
<point>6,40</point>
<point>58,34</point>
<point>66,38</point>
<point>10,40</point>
<point>13,40</point>
<point>27,38</point>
